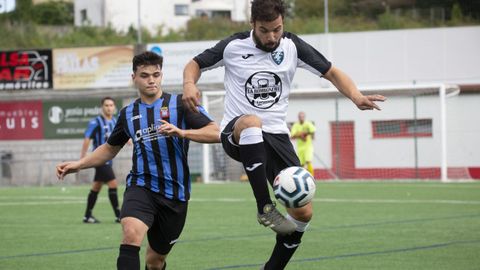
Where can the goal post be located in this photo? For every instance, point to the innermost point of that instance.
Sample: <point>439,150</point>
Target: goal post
<point>406,141</point>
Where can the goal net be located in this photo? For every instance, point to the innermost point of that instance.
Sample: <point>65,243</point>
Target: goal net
<point>408,139</point>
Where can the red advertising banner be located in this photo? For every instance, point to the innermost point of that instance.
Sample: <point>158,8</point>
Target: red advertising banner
<point>25,69</point>
<point>21,120</point>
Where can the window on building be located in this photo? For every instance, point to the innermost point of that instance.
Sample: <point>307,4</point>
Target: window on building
<point>402,128</point>
<point>202,13</point>
<point>221,14</point>
<point>83,16</point>
<point>181,10</point>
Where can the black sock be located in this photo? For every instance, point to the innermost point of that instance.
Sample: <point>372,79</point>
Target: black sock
<point>253,159</point>
<point>128,259</point>
<point>91,200</point>
<point>112,195</point>
<point>283,250</point>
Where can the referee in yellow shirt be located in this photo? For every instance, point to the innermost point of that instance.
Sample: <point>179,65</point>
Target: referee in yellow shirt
<point>304,131</point>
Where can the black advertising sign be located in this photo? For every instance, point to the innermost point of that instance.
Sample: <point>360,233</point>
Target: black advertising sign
<point>26,69</point>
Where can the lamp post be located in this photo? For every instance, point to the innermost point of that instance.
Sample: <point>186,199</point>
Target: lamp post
<point>139,29</point>
<point>325,2</point>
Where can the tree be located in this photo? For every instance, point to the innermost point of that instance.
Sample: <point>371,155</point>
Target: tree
<point>22,12</point>
<point>54,13</point>
<point>308,8</point>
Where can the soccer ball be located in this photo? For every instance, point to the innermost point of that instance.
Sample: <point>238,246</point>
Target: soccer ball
<point>294,187</point>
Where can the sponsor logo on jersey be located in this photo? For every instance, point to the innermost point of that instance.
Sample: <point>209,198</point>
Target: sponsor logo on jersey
<point>148,134</point>
<point>277,57</point>
<point>136,117</point>
<point>246,56</point>
<point>263,89</point>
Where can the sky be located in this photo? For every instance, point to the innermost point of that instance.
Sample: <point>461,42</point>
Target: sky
<point>7,5</point>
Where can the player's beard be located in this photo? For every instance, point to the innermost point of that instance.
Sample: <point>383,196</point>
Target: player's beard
<point>262,46</point>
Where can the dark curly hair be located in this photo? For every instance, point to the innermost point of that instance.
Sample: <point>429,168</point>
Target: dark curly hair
<point>147,59</point>
<point>267,10</point>
<point>105,99</point>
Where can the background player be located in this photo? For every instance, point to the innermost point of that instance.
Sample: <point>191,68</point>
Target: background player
<point>98,131</point>
<point>304,131</point>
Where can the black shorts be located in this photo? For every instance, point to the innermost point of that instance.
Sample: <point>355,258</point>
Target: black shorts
<point>165,218</point>
<point>278,147</point>
<point>104,173</point>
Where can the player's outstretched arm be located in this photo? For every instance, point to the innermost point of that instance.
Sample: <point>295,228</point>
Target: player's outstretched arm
<point>348,88</point>
<point>85,145</point>
<point>191,94</point>
<point>207,134</point>
<point>102,154</point>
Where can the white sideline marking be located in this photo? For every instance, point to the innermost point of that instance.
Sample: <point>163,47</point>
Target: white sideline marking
<point>75,200</point>
<point>50,202</point>
<point>43,197</point>
<point>348,184</point>
<point>396,201</point>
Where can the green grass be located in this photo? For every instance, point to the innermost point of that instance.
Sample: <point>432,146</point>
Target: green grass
<point>369,225</point>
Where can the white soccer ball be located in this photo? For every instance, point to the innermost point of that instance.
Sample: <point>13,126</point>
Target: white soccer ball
<point>294,187</point>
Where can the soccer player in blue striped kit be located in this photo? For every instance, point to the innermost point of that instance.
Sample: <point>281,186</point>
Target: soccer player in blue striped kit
<point>98,131</point>
<point>158,186</point>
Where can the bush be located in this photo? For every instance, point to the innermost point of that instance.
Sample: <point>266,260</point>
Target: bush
<point>207,29</point>
<point>53,13</point>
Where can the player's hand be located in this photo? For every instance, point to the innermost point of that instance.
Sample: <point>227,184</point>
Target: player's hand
<point>168,129</point>
<point>66,168</point>
<point>191,96</point>
<point>368,102</point>
<point>303,136</point>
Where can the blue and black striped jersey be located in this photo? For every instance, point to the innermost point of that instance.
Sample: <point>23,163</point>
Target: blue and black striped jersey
<point>99,129</point>
<point>159,162</point>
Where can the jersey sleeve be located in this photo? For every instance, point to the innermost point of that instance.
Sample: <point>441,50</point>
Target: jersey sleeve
<point>119,137</point>
<point>196,120</point>
<point>213,57</point>
<point>309,58</point>
<point>90,131</point>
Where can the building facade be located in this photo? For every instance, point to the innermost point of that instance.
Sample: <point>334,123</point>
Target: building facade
<point>155,16</point>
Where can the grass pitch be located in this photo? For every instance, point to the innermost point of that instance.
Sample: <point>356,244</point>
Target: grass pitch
<point>356,225</point>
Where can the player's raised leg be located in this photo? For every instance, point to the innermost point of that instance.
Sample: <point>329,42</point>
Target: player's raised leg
<point>248,130</point>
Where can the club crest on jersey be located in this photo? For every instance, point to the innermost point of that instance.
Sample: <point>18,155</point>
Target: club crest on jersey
<point>164,113</point>
<point>263,89</point>
<point>277,57</point>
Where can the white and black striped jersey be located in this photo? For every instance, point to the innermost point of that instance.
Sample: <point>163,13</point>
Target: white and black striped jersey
<point>258,82</point>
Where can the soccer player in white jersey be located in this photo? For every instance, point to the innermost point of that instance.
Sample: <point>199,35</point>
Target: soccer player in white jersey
<point>259,68</point>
